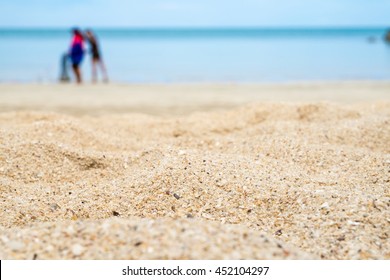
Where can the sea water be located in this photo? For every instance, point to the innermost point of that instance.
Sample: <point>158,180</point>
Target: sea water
<point>231,55</point>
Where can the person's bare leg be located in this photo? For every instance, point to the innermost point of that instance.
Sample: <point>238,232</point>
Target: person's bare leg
<point>94,70</point>
<point>77,73</point>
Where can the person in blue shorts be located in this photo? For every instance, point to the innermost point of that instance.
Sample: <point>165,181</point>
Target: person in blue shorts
<point>76,53</point>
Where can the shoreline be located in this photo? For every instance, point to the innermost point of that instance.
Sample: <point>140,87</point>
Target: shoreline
<point>179,99</point>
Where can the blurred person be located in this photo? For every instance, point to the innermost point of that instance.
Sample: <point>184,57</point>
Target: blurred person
<point>96,56</point>
<point>64,76</point>
<point>76,53</point>
<point>387,36</point>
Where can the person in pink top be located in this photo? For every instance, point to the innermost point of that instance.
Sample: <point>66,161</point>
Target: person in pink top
<point>76,53</point>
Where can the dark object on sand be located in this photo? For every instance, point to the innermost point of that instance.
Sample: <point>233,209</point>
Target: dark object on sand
<point>64,77</point>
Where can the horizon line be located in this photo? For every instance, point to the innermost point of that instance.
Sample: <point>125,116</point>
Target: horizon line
<point>200,27</point>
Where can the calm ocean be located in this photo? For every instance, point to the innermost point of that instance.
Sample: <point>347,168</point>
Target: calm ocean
<point>205,55</point>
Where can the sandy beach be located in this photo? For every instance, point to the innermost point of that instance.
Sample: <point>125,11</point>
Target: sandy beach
<point>229,171</point>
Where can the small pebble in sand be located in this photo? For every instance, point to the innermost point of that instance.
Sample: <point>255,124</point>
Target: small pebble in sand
<point>353,223</point>
<point>77,249</point>
<point>54,206</point>
<point>278,232</point>
<point>15,245</point>
<point>325,205</point>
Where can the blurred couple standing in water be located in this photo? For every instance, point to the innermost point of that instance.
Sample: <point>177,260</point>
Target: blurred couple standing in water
<point>76,55</point>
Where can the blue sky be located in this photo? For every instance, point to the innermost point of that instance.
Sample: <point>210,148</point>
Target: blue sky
<point>195,13</point>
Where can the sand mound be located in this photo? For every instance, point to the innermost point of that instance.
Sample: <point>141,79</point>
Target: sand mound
<point>313,176</point>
